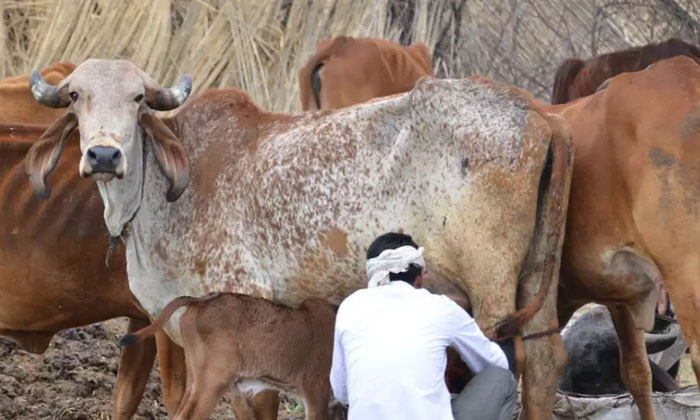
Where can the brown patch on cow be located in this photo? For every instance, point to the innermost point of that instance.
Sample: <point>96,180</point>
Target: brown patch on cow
<point>200,267</point>
<point>337,241</point>
<point>691,124</point>
<point>660,158</point>
<point>213,159</point>
<point>89,105</point>
<point>115,137</point>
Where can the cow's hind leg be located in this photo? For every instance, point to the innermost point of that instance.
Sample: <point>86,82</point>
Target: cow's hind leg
<point>265,404</point>
<point>316,404</point>
<point>201,399</point>
<point>135,366</point>
<point>634,364</point>
<point>545,358</point>
<point>684,291</point>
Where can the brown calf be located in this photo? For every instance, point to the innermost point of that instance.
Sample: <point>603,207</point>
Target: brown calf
<point>254,344</point>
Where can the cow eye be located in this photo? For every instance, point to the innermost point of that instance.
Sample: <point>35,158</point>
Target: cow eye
<point>138,98</point>
<point>73,96</point>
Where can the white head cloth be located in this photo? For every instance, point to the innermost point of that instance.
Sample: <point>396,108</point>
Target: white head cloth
<point>392,261</point>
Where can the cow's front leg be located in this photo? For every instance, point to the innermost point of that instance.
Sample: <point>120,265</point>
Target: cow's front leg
<point>171,361</point>
<point>135,366</point>
<point>634,364</point>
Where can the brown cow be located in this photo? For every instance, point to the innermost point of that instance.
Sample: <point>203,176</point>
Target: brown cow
<point>242,343</point>
<point>52,260</point>
<point>634,213</point>
<point>40,251</point>
<point>18,106</point>
<point>577,78</point>
<point>347,71</point>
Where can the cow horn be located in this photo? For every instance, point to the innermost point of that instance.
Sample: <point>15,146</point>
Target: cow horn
<point>45,93</point>
<point>171,98</point>
<point>660,342</point>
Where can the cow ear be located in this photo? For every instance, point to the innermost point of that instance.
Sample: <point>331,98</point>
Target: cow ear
<point>170,155</point>
<point>43,156</point>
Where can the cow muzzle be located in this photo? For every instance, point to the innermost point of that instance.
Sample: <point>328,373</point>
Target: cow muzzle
<point>103,162</point>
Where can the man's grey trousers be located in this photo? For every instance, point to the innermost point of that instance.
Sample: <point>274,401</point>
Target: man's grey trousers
<point>490,395</point>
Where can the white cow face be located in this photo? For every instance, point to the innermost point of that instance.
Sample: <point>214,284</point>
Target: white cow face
<point>111,101</point>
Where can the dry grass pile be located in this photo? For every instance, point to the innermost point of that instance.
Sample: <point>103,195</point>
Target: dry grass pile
<point>259,45</point>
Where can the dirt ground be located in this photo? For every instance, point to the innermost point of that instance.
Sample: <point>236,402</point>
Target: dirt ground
<point>73,380</point>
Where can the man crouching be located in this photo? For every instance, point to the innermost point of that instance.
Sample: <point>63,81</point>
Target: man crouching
<point>246,344</point>
<point>389,353</point>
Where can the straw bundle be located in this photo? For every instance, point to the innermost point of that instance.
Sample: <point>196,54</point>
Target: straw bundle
<point>259,45</point>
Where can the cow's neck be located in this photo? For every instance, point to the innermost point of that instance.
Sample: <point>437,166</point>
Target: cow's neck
<point>12,152</point>
<point>122,197</point>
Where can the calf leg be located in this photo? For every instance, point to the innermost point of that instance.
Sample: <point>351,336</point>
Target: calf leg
<point>207,383</point>
<point>171,362</point>
<point>316,403</point>
<point>265,404</point>
<point>209,394</point>
<point>135,366</point>
<point>634,363</point>
<point>242,410</point>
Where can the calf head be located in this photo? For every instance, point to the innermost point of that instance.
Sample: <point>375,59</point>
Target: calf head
<point>111,101</point>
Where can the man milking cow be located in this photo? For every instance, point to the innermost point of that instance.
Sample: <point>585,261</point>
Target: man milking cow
<point>389,353</point>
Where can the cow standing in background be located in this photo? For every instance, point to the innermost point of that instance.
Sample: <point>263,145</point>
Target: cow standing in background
<point>577,78</point>
<point>633,226</point>
<point>17,105</point>
<point>52,254</point>
<point>347,71</point>
<point>288,203</point>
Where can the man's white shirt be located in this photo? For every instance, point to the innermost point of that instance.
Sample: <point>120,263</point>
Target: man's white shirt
<point>389,352</point>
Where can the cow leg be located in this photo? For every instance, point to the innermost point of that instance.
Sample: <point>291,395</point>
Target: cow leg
<point>135,367</point>
<point>316,404</point>
<point>171,362</point>
<point>208,380</point>
<point>207,395</point>
<point>242,409</point>
<point>262,406</point>
<point>634,362</point>
<point>265,404</point>
<point>545,356</point>
<point>684,292</point>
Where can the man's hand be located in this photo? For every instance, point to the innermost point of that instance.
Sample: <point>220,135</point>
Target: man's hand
<point>508,347</point>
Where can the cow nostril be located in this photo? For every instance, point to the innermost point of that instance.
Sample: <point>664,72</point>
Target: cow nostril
<point>92,155</point>
<point>116,156</point>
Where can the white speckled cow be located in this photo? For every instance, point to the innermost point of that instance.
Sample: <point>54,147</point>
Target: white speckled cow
<point>284,206</point>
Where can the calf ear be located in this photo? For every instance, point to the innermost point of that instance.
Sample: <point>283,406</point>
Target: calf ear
<point>170,155</point>
<point>44,154</point>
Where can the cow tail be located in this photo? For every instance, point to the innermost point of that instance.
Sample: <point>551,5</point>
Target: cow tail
<point>310,81</point>
<point>157,323</point>
<point>544,255</point>
<point>316,84</point>
<point>564,79</point>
